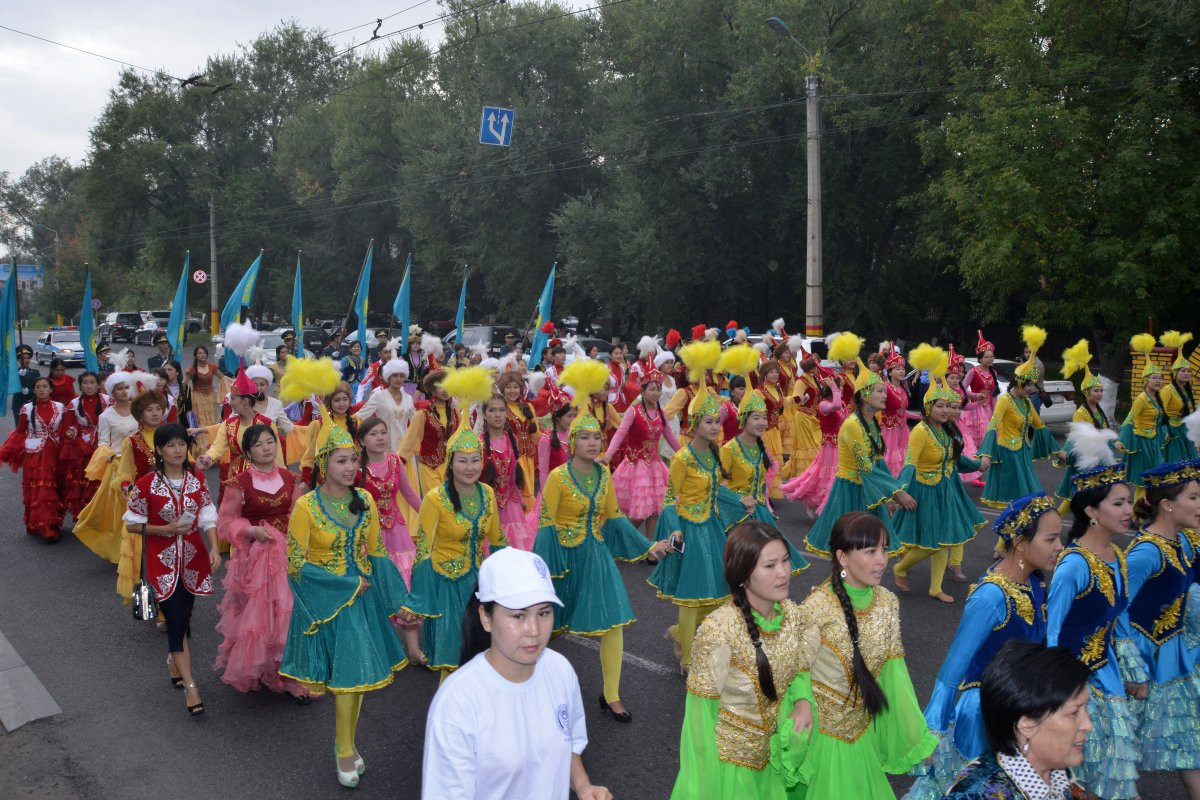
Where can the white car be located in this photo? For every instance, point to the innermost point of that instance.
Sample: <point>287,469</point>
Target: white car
<point>62,343</point>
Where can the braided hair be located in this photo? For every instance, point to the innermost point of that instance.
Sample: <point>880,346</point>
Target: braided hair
<point>857,530</point>
<point>878,446</point>
<point>554,418</point>
<point>743,547</point>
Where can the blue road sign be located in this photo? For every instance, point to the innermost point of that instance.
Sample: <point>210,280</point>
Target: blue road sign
<point>495,126</point>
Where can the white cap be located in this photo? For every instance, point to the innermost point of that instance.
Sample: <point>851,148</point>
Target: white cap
<point>395,366</point>
<point>515,579</point>
<point>257,371</point>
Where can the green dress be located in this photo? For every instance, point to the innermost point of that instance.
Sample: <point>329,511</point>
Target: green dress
<point>945,515</point>
<point>1015,438</point>
<point>724,745</point>
<point>847,753</point>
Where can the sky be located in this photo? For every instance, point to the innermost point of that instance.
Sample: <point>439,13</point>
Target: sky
<point>50,96</point>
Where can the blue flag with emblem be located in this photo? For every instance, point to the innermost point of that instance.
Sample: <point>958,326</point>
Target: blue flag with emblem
<point>362,295</point>
<point>543,315</point>
<point>177,324</point>
<point>87,327</point>
<point>243,293</point>
<point>400,308</point>
<point>10,381</point>
<point>298,312</point>
<point>461,316</point>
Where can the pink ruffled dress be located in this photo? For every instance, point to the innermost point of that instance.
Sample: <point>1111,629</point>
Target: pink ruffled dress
<point>548,458</point>
<point>640,480</point>
<point>388,483</point>
<point>977,414</point>
<point>257,605</point>
<point>893,427</point>
<point>502,477</point>
<point>812,486</point>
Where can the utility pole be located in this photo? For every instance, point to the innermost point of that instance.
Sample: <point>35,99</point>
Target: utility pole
<point>212,267</point>
<point>57,264</point>
<point>814,320</point>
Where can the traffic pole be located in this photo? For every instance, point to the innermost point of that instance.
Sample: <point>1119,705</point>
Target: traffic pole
<point>212,268</point>
<point>814,322</point>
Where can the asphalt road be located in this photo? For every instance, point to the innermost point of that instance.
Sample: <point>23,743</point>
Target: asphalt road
<point>124,733</point>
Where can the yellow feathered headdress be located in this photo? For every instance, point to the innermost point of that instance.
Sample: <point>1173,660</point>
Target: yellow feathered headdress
<point>469,385</point>
<point>1176,340</point>
<point>700,357</point>
<point>740,359</point>
<point>305,377</point>
<point>1077,357</point>
<point>586,376</point>
<point>936,361</point>
<point>1027,372</point>
<point>846,347</point>
<point>1144,344</point>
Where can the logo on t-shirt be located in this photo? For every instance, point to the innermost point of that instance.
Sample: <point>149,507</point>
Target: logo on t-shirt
<point>564,719</point>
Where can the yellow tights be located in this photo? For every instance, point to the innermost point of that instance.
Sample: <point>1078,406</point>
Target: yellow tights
<point>956,555</point>
<point>612,651</point>
<point>346,708</point>
<point>937,565</point>
<point>684,632</point>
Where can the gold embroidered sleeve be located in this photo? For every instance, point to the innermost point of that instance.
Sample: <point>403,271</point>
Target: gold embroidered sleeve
<point>374,539</point>
<point>551,496</point>
<point>710,662</point>
<point>297,539</point>
<point>427,525</point>
<point>491,521</point>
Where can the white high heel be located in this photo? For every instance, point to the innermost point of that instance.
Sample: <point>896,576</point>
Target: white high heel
<point>347,779</point>
<point>359,764</point>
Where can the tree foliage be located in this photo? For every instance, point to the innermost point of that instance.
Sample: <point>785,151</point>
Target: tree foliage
<point>982,162</point>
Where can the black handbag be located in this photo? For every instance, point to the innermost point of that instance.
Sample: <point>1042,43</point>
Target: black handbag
<point>144,601</point>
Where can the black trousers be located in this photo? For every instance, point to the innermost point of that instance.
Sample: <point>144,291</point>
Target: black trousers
<point>178,610</point>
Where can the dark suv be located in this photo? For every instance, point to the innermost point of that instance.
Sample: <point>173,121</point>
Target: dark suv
<point>120,326</point>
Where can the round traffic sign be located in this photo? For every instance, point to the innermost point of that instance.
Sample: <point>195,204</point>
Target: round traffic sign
<point>200,276</point>
<point>95,304</point>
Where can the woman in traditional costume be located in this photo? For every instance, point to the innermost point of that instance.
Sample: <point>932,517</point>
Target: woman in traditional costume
<point>32,449</point>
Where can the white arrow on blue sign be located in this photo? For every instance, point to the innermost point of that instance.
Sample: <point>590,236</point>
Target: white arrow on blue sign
<point>495,126</point>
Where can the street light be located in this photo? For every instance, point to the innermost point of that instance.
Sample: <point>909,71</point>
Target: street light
<point>57,313</point>
<point>814,319</point>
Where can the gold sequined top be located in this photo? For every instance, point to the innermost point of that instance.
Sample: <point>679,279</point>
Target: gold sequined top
<point>827,653</point>
<point>1012,420</point>
<point>692,484</point>
<point>724,669</point>
<point>1144,416</point>
<point>316,536</point>
<point>746,468</point>
<point>453,540</point>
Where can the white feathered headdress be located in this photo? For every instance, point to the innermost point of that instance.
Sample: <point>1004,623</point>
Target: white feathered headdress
<point>1091,446</point>
<point>647,345</point>
<point>239,338</point>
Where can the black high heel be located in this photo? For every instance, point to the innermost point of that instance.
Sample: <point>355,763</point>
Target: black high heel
<point>623,717</point>
<point>197,709</point>
<point>176,680</point>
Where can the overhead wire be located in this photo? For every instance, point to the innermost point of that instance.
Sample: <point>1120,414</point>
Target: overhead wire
<point>120,61</point>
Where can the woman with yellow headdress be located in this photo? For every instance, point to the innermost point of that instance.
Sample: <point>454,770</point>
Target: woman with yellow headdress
<point>582,533</point>
<point>944,517</point>
<point>1089,415</point>
<point>692,574</point>
<point>748,465</point>
<point>346,588</point>
<point>1016,435</point>
<point>1144,432</point>
<point>459,520</point>
<point>1178,400</point>
<point>863,481</point>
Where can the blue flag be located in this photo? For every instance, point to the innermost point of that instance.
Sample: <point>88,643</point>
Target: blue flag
<point>400,308</point>
<point>177,324</point>
<point>361,295</point>
<point>243,293</point>
<point>10,385</point>
<point>298,312</point>
<point>461,316</point>
<point>87,327</point>
<point>543,316</point>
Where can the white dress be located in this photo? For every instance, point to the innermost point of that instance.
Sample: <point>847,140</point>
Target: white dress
<point>115,428</point>
<point>395,415</point>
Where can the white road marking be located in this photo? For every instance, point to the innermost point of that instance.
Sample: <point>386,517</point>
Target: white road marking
<point>591,643</point>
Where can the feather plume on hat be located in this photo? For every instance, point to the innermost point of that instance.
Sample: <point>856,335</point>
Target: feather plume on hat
<point>740,359</point>
<point>1091,446</point>
<point>117,360</point>
<point>700,357</point>
<point>586,376</point>
<point>647,345</point>
<point>239,338</point>
<point>305,377</point>
<point>845,347</point>
<point>469,385</point>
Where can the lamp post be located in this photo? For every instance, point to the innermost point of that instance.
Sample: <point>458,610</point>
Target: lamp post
<point>57,262</point>
<point>814,319</point>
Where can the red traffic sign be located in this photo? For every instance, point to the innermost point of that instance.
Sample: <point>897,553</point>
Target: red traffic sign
<point>200,276</point>
<point>95,304</point>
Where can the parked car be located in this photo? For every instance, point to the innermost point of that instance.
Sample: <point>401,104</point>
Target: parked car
<point>1061,392</point>
<point>314,339</point>
<point>59,343</point>
<point>119,326</point>
<point>155,323</point>
<point>197,323</point>
<point>490,335</point>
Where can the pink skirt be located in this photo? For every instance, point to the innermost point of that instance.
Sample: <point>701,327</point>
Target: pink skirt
<point>400,547</point>
<point>255,613</point>
<point>640,488</point>
<point>515,525</point>
<point>970,446</point>
<point>975,420</point>
<point>896,441</point>
<point>813,485</point>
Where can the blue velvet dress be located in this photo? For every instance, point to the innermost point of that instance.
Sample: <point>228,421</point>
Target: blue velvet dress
<point>1154,650</point>
<point>1086,597</point>
<point>997,610</point>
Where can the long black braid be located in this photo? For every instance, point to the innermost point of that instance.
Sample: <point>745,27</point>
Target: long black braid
<point>878,446</point>
<point>766,680</point>
<point>865,685</point>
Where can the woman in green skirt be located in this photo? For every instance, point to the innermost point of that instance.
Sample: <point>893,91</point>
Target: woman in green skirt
<point>1016,435</point>
<point>944,516</point>
<point>863,481</point>
<point>1144,433</point>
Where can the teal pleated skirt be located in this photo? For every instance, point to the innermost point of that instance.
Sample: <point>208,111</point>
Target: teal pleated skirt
<point>944,517</point>
<point>441,601</point>
<point>695,577</point>
<point>846,496</point>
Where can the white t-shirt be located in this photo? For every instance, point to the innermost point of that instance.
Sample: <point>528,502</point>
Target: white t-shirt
<point>487,738</point>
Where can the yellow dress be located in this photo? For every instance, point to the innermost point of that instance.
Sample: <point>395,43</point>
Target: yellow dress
<point>129,563</point>
<point>423,449</point>
<point>100,523</point>
<point>806,429</point>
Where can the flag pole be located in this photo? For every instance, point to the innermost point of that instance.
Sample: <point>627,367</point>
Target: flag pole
<point>354,296</point>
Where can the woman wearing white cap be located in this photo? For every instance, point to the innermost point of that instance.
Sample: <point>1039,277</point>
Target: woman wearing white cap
<point>509,722</point>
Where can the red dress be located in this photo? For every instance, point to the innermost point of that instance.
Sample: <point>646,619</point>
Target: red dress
<point>500,471</point>
<point>384,481</point>
<point>172,561</point>
<point>33,449</point>
<point>640,481</point>
<point>62,390</point>
<point>257,606</point>
<point>82,416</point>
<point>238,463</point>
<point>549,458</point>
<point>977,414</point>
<point>893,427</point>
<point>526,431</point>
